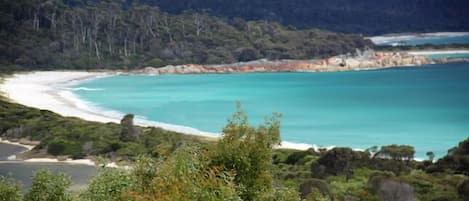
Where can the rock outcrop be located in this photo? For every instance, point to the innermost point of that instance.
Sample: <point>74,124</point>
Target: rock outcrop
<point>129,132</point>
<point>366,60</point>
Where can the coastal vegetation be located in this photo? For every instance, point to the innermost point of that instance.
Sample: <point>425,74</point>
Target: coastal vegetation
<point>242,165</point>
<point>76,138</point>
<point>107,34</point>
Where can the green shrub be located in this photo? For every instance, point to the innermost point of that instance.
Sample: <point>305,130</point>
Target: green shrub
<point>463,189</point>
<point>309,185</point>
<point>156,62</point>
<point>9,190</point>
<point>109,185</point>
<point>295,157</point>
<point>48,186</point>
<point>64,147</point>
<point>55,148</point>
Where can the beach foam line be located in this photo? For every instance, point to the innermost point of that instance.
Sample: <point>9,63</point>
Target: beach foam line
<point>116,116</point>
<point>300,146</point>
<point>52,90</point>
<point>86,89</point>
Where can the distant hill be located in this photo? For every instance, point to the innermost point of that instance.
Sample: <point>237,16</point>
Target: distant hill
<point>113,34</point>
<point>370,17</point>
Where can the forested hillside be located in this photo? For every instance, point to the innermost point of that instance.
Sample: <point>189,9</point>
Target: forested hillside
<point>113,34</point>
<point>358,16</point>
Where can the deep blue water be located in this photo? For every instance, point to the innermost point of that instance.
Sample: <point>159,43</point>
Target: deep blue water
<point>426,107</point>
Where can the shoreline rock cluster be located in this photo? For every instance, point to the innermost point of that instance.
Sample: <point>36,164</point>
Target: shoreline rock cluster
<point>362,61</point>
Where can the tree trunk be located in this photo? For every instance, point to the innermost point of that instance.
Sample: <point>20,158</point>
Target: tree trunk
<point>168,29</point>
<point>125,47</point>
<point>97,50</point>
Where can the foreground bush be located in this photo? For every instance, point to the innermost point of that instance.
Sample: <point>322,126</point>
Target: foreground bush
<point>48,186</point>
<point>9,190</point>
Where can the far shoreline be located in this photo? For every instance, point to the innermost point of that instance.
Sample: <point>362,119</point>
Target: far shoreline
<point>396,37</point>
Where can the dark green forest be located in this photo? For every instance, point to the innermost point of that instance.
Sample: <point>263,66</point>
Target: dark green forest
<point>44,34</point>
<point>370,17</point>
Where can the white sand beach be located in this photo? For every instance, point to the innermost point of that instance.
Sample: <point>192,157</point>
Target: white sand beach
<point>88,162</point>
<point>28,147</point>
<point>52,90</point>
<point>54,160</point>
<point>48,91</point>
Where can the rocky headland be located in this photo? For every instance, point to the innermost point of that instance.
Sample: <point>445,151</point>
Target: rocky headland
<point>361,61</point>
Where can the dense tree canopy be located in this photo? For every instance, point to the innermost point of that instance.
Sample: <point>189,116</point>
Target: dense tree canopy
<point>107,34</point>
<point>457,160</point>
<point>357,16</point>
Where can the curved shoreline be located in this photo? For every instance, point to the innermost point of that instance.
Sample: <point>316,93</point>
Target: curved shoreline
<point>39,160</point>
<point>52,90</point>
<point>28,147</point>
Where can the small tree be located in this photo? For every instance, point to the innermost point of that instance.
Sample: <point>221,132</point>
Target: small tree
<point>397,152</point>
<point>109,185</point>
<point>430,155</point>
<point>48,186</point>
<point>9,190</point>
<point>336,161</point>
<point>185,175</point>
<point>247,151</point>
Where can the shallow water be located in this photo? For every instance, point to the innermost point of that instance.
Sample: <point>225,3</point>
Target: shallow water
<point>426,107</point>
<point>7,150</point>
<point>449,55</point>
<point>23,172</point>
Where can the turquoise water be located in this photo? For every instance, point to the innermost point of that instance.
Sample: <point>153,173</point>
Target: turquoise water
<point>434,40</point>
<point>427,107</point>
<point>453,55</point>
